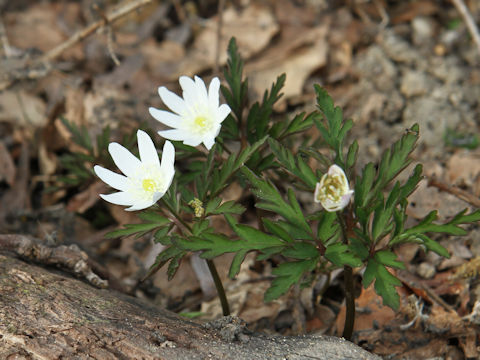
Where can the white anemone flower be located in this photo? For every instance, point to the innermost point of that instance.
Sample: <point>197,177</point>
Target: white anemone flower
<point>196,118</point>
<point>145,180</point>
<point>333,191</point>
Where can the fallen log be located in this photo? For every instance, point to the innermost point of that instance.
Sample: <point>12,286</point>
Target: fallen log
<point>47,314</point>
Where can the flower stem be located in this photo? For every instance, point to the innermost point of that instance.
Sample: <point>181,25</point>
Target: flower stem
<point>349,292</point>
<point>219,286</point>
<point>211,266</point>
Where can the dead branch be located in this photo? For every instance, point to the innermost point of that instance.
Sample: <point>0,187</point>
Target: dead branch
<point>47,315</point>
<point>456,191</point>
<point>41,67</point>
<point>69,257</point>
<point>467,17</point>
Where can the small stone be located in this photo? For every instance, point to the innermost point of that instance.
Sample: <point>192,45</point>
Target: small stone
<point>423,30</point>
<point>426,270</point>
<point>414,83</point>
<point>440,50</point>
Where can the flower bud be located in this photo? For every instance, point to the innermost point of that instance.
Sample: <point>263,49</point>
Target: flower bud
<point>333,191</point>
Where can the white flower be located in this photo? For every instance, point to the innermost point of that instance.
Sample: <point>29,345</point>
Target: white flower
<point>333,191</point>
<point>146,180</point>
<point>197,117</point>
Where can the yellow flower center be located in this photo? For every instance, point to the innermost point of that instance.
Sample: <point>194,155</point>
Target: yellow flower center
<point>333,187</point>
<point>200,121</point>
<point>148,185</point>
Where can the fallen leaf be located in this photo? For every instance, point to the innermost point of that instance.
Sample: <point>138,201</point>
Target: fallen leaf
<point>253,28</point>
<point>7,166</point>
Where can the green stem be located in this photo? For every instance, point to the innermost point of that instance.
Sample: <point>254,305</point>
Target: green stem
<point>211,267</point>
<point>219,286</point>
<point>349,291</point>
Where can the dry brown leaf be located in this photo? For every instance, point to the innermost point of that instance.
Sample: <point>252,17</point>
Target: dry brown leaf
<point>463,168</point>
<point>425,198</point>
<point>370,311</point>
<point>22,109</point>
<point>39,26</point>
<point>84,200</point>
<point>7,166</point>
<point>296,56</point>
<point>253,28</point>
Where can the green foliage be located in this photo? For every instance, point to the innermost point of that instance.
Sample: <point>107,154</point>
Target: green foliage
<point>288,274</point>
<point>294,164</point>
<point>236,93</point>
<point>335,128</point>
<point>268,157</point>
<point>150,221</point>
<point>259,116</point>
<point>461,140</point>
<point>79,164</point>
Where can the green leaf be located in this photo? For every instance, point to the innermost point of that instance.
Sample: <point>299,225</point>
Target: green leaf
<point>352,155</point>
<point>452,227</point>
<point>340,255</point>
<point>130,229</point>
<point>276,229</point>
<point>388,258</point>
<point>288,274</point>
<point>295,165</point>
<point>228,207</point>
<point>80,135</point>
<point>395,159</point>
<point>259,115</point>
<point>221,177</point>
<point>363,185</point>
<point>299,123</point>
<point>327,226</point>
<point>171,253</point>
<point>236,93</point>
<point>273,201</point>
<point>359,247</point>
<point>335,129</point>
<point>212,244</point>
<point>154,218</point>
<point>385,283</point>
<point>301,251</point>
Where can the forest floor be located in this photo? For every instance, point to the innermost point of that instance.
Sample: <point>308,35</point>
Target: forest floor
<point>388,64</point>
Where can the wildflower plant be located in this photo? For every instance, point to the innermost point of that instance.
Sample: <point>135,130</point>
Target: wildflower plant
<point>360,217</point>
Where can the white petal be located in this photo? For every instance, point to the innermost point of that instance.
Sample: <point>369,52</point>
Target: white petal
<point>124,159</point>
<point>141,205</point>
<point>209,143</point>
<point>111,178</point>
<point>147,150</point>
<point>119,198</point>
<point>201,89</point>
<point>213,93</point>
<point>174,134</point>
<point>165,117</point>
<point>168,159</point>
<point>317,190</point>
<point>335,170</point>
<point>172,100</point>
<point>223,112</point>
<point>191,95</point>
<point>192,140</point>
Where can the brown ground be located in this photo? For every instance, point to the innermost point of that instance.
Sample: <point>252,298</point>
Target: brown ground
<point>387,63</point>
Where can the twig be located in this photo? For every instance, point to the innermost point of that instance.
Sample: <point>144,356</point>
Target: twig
<point>82,34</point>
<point>68,257</point>
<point>4,40</point>
<point>109,34</point>
<point>467,17</point>
<point>221,6</point>
<point>456,191</point>
<point>41,67</point>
